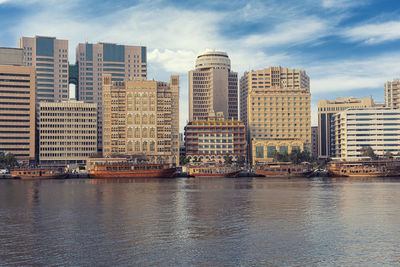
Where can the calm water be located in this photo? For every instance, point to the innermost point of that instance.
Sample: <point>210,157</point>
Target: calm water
<point>207,222</point>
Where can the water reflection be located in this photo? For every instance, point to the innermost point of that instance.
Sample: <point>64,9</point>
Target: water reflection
<point>200,222</point>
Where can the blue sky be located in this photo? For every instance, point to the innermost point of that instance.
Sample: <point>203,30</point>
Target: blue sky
<point>347,47</point>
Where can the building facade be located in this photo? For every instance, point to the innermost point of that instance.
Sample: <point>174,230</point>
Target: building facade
<point>314,142</point>
<point>67,132</point>
<point>392,94</point>
<point>141,119</point>
<point>17,105</point>
<point>212,139</point>
<point>355,129</point>
<point>263,151</point>
<point>93,60</point>
<point>213,87</point>
<point>326,110</point>
<point>275,103</point>
<point>50,58</point>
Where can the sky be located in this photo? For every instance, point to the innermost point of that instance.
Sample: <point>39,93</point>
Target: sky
<point>347,47</point>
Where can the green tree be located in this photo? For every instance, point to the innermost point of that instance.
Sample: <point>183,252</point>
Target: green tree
<point>228,159</point>
<point>241,161</point>
<point>388,155</point>
<point>8,160</point>
<point>367,151</point>
<point>281,157</point>
<point>183,160</point>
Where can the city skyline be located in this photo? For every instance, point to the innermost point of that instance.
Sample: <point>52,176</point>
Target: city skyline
<point>348,48</point>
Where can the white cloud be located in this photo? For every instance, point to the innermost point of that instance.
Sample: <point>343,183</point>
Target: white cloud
<point>374,33</point>
<point>340,3</point>
<point>352,75</point>
<point>175,36</point>
<point>290,33</point>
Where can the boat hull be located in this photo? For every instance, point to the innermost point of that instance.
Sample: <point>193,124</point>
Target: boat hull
<point>280,174</point>
<point>43,177</point>
<point>378,168</point>
<point>283,170</point>
<point>216,175</point>
<point>103,174</point>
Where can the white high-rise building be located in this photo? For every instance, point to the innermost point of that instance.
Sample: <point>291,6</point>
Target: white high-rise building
<point>374,127</point>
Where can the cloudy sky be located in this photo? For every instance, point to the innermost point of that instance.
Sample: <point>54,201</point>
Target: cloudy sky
<point>347,47</point>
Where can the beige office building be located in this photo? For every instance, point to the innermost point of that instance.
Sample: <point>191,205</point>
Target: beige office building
<point>392,94</point>
<point>326,110</point>
<point>67,132</point>
<point>93,60</point>
<point>141,119</point>
<point>17,105</point>
<point>50,58</point>
<point>275,104</point>
<point>213,87</point>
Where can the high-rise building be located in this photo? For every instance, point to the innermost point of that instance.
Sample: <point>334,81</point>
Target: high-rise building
<point>314,142</point>
<point>213,87</point>
<point>326,110</point>
<point>93,60</point>
<point>17,105</point>
<point>67,132</point>
<point>141,118</point>
<point>392,94</point>
<point>355,129</point>
<point>213,139</point>
<point>275,104</point>
<point>50,58</point>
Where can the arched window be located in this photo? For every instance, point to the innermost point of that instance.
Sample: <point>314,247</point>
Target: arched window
<point>144,119</point>
<point>130,119</point>
<point>144,132</point>
<point>129,146</point>
<point>152,146</point>
<point>130,133</point>
<point>137,146</point>
<point>144,147</point>
<point>137,132</point>
<point>152,133</point>
<point>137,119</point>
<point>152,119</point>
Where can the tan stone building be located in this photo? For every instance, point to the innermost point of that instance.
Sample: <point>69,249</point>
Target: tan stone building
<point>213,87</point>
<point>67,132</point>
<point>392,94</point>
<point>213,139</point>
<point>263,151</point>
<point>17,105</point>
<point>141,118</point>
<point>93,60</point>
<point>275,103</point>
<point>50,58</point>
<point>326,110</point>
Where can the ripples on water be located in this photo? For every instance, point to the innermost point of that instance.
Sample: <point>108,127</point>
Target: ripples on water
<point>286,222</point>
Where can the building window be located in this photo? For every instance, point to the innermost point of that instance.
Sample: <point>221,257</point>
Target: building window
<point>271,151</point>
<point>259,152</point>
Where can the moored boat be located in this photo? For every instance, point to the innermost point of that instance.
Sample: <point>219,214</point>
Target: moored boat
<point>128,169</point>
<point>365,168</point>
<point>39,173</point>
<point>213,171</point>
<point>283,169</point>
